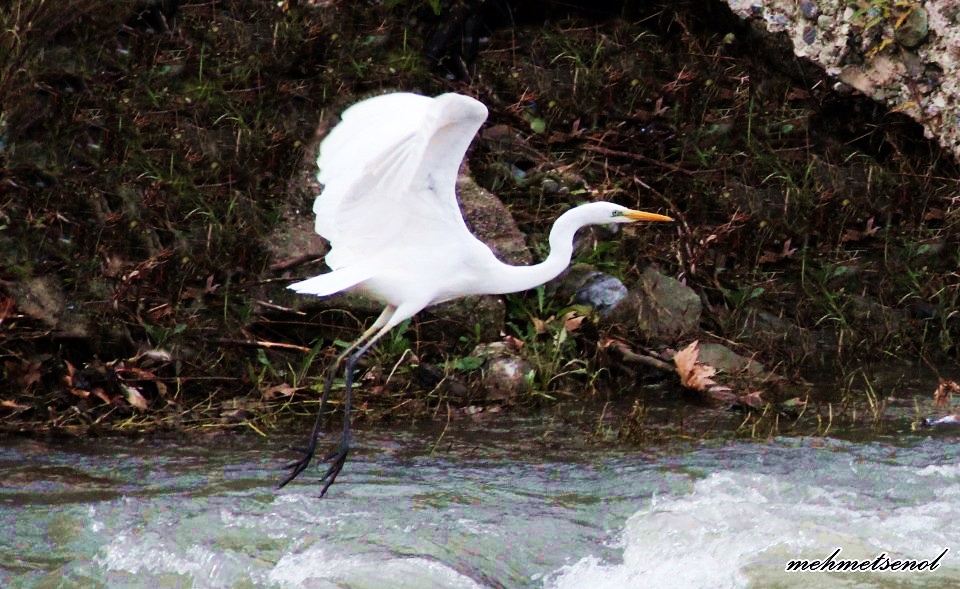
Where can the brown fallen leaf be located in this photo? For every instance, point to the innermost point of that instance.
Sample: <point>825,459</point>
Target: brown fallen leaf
<point>694,375</point>
<point>945,389</point>
<point>752,400</point>
<point>101,394</point>
<point>134,397</point>
<point>83,394</point>
<point>540,325</point>
<point>280,390</point>
<point>572,321</point>
<point>697,376</point>
<point>23,372</point>
<point>68,378</point>
<point>514,344</point>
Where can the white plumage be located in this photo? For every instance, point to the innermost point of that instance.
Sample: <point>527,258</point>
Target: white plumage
<point>389,210</point>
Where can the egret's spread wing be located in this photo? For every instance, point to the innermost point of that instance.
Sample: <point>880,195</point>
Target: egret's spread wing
<point>389,171</point>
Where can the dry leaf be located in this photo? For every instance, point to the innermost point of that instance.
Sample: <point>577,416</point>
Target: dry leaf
<point>945,389</point>
<point>513,343</point>
<point>101,394</point>
<point>6,305</point>
<point>79,392</point>
<point>752,400</point>
<point>68,378</point>
<point>134,397</point>
<point>572,321</point>
<point>693,374</point>
<point>540,325</point>
<point>24,373</point>
<point>768,257</point>
<point>134,373</point>
<point>280,390</point>
<point>696,376</point>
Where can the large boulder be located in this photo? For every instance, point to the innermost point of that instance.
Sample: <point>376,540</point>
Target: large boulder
<point>659,309</point>
<point>903,54</point>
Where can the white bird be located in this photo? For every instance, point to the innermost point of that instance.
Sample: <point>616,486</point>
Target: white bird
<point>389,210</point>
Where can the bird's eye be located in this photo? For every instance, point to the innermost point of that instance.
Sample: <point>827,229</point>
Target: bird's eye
<point>616,214</point>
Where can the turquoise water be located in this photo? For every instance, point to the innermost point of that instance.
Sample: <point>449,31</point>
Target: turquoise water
<point>489,506</point>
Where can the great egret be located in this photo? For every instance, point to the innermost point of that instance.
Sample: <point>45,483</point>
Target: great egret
<point>389,210</point>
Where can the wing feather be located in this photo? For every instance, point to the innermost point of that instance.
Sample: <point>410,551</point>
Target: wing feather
<point>389,172</point>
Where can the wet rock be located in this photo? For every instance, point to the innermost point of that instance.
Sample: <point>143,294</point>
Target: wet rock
<point>43,300</point>
<point>914,29</point>
<point>659,308</point>
<point>480,317</point>
<point>809,9</point>
<point>951,420</point>
<point>602,292</point>
<point>583,284</point>
<point>505,373</point>
<point>726,360</point>
<point>550,186</point>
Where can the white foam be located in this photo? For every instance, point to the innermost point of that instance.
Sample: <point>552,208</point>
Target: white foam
<point>738,530</point>
<point>316,568</point>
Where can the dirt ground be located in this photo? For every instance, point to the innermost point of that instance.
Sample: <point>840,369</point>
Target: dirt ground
<point>152,153</point>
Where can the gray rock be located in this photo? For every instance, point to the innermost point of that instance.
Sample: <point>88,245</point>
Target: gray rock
<point>491,222</point>
<point>726,360</point>
<point>914,29</point>
<point>583,284</point>
<point>505,373</point>
<point>809,9</point>
<point>876,68</point>
<point>659,309</point>
<point>602,292</point>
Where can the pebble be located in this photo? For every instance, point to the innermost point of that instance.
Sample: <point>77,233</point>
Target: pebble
<point>809,9</point>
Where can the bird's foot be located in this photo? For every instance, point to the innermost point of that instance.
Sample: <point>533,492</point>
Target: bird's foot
<point>337,459</point>
<point>301,465</point>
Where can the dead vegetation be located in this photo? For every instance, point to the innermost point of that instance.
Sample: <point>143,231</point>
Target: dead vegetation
<point>144,162</point>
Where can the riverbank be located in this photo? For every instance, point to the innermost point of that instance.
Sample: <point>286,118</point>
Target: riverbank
<point>156,201</point>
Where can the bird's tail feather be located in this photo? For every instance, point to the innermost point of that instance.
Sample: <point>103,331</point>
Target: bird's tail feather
<point>330,283</point>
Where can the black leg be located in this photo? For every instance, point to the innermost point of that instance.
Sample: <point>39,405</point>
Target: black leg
<point>339,456</point>
<point>300,465</point>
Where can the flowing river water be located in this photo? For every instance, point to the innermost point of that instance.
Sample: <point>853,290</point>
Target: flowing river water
<point>492,504</point>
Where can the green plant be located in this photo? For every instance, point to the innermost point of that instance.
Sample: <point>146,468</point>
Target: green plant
<point>549,341</point>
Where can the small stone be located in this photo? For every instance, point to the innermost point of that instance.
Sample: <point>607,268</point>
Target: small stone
<point>550,186</point>
<point>914,29</point>
<point>809,9</point>
<point>809,35</point>
<point>505,374</point>
<point>602,292</point>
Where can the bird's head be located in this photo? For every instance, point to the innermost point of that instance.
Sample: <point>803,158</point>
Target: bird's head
<point>602,213</point>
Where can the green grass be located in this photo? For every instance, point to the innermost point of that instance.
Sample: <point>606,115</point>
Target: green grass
<point>150,173</point>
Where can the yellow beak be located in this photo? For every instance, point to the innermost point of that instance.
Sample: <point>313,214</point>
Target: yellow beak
<point>644,216</point>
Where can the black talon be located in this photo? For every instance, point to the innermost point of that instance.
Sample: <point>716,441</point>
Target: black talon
<point>338,456</point>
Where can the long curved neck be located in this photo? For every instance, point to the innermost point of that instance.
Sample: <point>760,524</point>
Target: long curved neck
<point>518,278</point>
